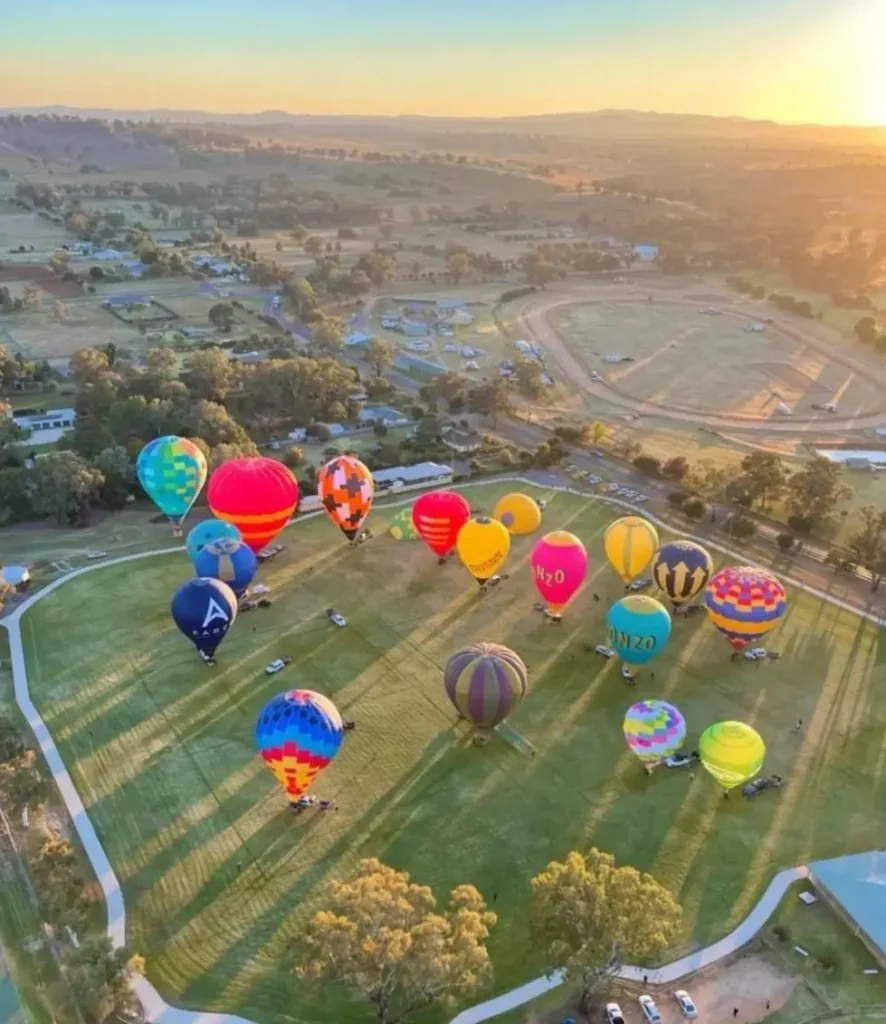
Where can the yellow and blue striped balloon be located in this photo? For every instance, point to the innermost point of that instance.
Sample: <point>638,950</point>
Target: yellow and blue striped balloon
<point>630,543</point>
<point>172,471</point>
<point>744,603</point>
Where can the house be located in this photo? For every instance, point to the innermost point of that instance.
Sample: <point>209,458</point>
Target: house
<point>384,414</point>
<point>82,249</point>
<point>247,358</point>
<point>222,268</point>
<point>646,253</point>
<point>192,333</point>
<point>855,888</point>
<point>450,304</point>
<point>420,475</point>
<point>51,419</point>
<point>462,442</point>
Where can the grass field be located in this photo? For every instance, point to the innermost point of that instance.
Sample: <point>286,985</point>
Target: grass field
<point>219,877</point>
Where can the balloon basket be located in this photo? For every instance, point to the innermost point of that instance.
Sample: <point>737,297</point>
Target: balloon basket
<point>481,737</point>
<point>177,531</point>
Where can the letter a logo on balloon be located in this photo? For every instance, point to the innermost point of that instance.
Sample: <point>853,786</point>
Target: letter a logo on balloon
<point>214,611</point>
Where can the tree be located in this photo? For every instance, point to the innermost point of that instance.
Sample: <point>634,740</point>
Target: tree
<point>528,373</point>
<point>676,468</point>
<point>221,315</point>
<point>99,976</point>
<point>24,783</point>
<point>428,430</point>
<point>648,464</point>
<point>458,266</point>
<point>380,429</point>
<point>741,528</point>
<point>300,299</point>
<point>64,486</point>
<point>313,246</point>
<point>294,457</point>
<point>589,917</point>
<point>11,745</point>
<point>694,508</point>
<point>868,543</point>
<point>762,479</point>
<point>378,266</point>
<point>32,297</point>
<point>209,374</point>
<point>598,431</point>
<point>380,356</point>
<point>383,938</point>
<point>785,541</point>
<point>866,330</point>
<point>814,492</point>
<point>677,499</point>
<point>539,272</point>
<point>492,399</point>
<point>328,336</point>
<point>58,261</point>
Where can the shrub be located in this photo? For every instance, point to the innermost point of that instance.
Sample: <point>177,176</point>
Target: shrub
<point>676,468</point>
<point>694,508</point>
<point>742,528</point>
<point>517,293</point>
<point>785,541</point>
<point>648,464</point>
<point>677,498</point>
<point>568,434</point>
<point>782,933</point>
<point>294,457</point>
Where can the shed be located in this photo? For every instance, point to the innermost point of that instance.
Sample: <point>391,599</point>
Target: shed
<point>855,886</point>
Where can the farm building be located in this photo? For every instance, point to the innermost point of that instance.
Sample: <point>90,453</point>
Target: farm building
<point>411,476</point>
<point>51,419</point>
<point>855,886</point>
<point>462,442</point>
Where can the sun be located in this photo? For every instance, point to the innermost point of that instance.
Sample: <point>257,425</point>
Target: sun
<point>871,31</point>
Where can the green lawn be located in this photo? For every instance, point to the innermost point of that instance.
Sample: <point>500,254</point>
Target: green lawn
<point>219,877</point>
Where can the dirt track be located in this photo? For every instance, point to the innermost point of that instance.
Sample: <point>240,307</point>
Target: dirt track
<point>538,323</point>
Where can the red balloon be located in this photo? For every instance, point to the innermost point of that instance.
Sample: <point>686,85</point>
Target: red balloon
<point>437,517</point>
<point>257,495</point>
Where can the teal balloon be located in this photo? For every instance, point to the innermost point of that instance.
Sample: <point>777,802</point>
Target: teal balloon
<point>206,532</point>
<point>172,471</point>
<point>639,627</point>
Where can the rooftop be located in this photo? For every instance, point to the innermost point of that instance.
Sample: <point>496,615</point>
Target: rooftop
<point>858,884</point>
<point>421,471</point>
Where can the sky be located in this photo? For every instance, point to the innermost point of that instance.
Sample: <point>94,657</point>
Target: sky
<point>787,60</point>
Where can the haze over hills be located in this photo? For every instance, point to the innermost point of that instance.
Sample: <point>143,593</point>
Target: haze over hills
<point>601,124</point>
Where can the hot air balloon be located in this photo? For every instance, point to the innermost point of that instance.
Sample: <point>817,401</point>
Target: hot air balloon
<point>297,734</point>
<point>204,610</point>
<point>630,543</point>
<point>518,512</point>
<point>257,495</point>
<point>559,564</point>
<point>485,682</point>
<point>744,603</point>
<point>438,516</point>
<point>344,486</point>
<point>172,471</point>
<point>732,752</point>
<point>402,527</point>
<point>207,531</point>
<point>654,730</point>
<point>483,545</point>
<point>639,627</point>
<point>228,560</point>
<point>681,569</point>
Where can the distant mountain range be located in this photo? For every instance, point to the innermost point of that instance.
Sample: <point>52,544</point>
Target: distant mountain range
<point>612,124</point>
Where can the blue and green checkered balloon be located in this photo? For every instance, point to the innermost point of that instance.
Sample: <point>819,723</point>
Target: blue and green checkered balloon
<point>172,470</point>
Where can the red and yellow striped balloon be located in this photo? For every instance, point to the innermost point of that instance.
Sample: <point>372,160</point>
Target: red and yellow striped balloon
<point>257,495</point>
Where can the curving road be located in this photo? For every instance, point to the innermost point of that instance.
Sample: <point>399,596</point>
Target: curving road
<point>156,1009</point>
<point>537,321</point>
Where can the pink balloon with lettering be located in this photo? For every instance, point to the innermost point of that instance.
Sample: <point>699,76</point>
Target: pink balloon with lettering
<point>559,565</point>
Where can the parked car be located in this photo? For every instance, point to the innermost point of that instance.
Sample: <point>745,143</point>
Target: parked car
<point>612,488</point>
<point>650,1010</point>
<point>641,498</point>
<point>93,555</point>
<point>260,589</point>
<point>686,1004</point>
<point>614,1014</point>
<point>336,619</point>
<point>594,479</point>
<point>604,651</point>
<point>758,785</point>
<point>641,584</point>
<point>277,665</point>
<point>681,760</point>
<point>755,654</point>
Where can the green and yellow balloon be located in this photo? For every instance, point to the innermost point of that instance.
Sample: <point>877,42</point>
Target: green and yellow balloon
<point>172,471</point>
<point>732,752</point>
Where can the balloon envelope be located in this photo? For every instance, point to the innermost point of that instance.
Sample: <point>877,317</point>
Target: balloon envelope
<point>639,627</point>
<point>483,545</point>
<point>654,729</point>
<point>518,512</point>
<point>402,527</point>
<point>297,734</point>
<point>228,560</point>
<point>559,564</point>
<point>681,569</point>
<point>344,486</point>
<point>438,516</point>
<point>485,682</point>
<point>257,495</point>
<point>204,610</point>
<point>207,531</point>
<point>732,752</point>
<point>172,471</point>
<point>630,543</point>
<point>744,603</point>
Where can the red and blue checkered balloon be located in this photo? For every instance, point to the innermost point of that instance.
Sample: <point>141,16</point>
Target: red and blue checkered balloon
<point>744,603</point>
<point>654,729</point>
<point>297,735</point>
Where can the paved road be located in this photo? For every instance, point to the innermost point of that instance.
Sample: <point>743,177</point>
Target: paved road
<point>160,1012</point>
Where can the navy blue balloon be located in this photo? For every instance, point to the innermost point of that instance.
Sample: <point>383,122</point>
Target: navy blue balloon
<point>228,560</point>
<point>204,610</point>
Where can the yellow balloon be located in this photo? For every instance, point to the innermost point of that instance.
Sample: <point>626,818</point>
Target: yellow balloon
<point>630,543</point>
<point>482,545</point>
<point>518,512</point>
